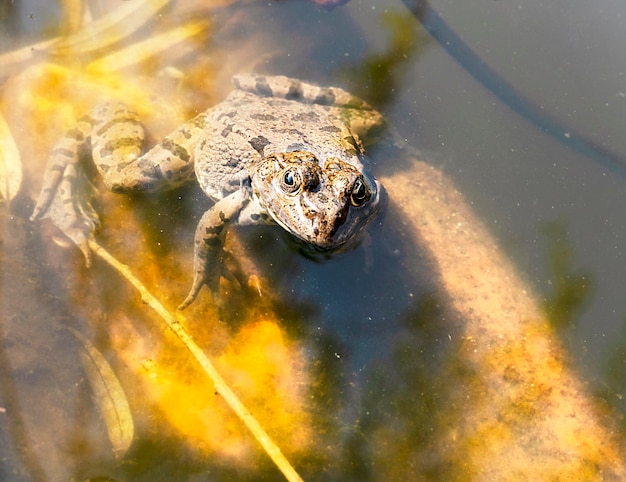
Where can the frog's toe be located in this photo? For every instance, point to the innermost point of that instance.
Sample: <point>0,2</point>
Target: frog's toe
<point>78,226</point>
<point>200,280</point>
<point>209,273</point>
<point>254,283</point>
<point>82,233</point>
<point>193,294</point>
<point>204,276</point>
<point>66,199</point>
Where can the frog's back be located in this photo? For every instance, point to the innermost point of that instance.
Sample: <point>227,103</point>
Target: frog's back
<point>274,114</point>
<point>340,108</point>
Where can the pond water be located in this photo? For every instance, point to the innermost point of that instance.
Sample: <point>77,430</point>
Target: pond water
<point>541,198</point>
<point>341,358</point>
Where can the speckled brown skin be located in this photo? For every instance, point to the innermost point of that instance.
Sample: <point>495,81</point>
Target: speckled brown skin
<point>276,149</point>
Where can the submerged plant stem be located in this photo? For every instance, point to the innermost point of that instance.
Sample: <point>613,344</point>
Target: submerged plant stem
<point>220,385</point>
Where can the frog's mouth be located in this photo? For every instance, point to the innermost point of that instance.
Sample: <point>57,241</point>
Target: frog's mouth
<point>323,251</point>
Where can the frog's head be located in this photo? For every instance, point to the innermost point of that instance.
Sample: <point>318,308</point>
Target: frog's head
<point>325,203</point>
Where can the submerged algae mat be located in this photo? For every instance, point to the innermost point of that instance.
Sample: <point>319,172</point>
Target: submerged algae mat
<point>516,409</point>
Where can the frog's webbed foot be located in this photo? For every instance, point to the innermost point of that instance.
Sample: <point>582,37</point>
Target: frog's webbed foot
<point>211,260</point>
<point>66,195</point>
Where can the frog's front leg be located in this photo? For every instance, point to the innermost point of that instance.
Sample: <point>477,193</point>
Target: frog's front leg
<point>209,262</point>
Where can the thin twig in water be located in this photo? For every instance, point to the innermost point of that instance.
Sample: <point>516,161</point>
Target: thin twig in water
<point>220,385</point>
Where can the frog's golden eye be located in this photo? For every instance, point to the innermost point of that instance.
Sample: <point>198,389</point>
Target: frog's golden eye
<point>360,193</point>
<point>291,181</point>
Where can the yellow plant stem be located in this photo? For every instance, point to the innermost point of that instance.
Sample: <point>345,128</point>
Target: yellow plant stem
<point>220,385</point>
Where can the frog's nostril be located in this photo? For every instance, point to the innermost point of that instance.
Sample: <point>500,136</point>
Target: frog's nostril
<point>340,219</point>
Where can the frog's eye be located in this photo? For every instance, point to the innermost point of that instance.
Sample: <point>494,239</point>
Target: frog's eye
<point>291,181</point>
<point>360,193</point>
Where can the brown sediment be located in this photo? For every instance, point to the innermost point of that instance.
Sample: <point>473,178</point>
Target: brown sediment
<point>516,409</point>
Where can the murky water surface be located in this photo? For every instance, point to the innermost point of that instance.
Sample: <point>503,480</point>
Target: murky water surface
<point>339,359</point>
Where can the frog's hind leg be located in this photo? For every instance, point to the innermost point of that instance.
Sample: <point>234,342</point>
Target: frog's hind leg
<point>64,154</point>
<point>297,90</point>
<point>116,138</point>
<point>66,193</point>
<point>364,122</point>
<point>118,143</point>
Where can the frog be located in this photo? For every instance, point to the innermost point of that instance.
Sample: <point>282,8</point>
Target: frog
<point>276,150</point>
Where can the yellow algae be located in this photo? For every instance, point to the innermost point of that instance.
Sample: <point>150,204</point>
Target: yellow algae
<point>163,381</point>
<point>266,373</point>
<point>259,363</point>
<point>271,371</point>
<point>49,89</point>
<point>185,387</point>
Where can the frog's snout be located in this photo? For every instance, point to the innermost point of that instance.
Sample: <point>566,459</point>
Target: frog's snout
<point>340,218</point>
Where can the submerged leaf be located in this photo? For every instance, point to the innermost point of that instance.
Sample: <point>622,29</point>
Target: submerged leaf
<point>73,12</point>
<point>98,34</point>
<point>148,48</point>
<point>111,28</point>
<point>109,396</point>
<point>10,163</point>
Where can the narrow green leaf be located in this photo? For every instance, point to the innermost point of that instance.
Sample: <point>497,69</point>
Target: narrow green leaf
<point>10,163</point>
<point>109,396</point>
<point>111,28</point>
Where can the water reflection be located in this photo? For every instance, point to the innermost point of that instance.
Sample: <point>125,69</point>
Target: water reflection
<point>571,289</point>
<point>382,364</point>
<point>377,77</point>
